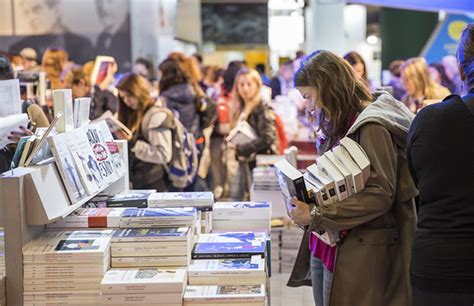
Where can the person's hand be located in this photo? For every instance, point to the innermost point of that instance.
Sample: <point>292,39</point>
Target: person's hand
<point>301,214</point>
<point>232,146</point>
<point>15,136</point>
<point>121,135</point>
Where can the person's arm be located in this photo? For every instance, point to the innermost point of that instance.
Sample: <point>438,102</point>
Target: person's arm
<point>158,149</point>
<point>266,131</point>
<point>377,197</point>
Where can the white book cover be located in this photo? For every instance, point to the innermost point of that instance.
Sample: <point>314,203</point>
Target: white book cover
<point>254,266</point>
<point>231,293</point>
<point>10,98</point>
<point>241,211</point>
<point>181,199</point>
<point>143,299</point>
<point>115,155</point>
<point>62,102</point>
<point>358,155</point>
<point>343,170</point>
<point>10,124</point>
<point>67,167</point>
<point>327,167</point>
<point>345,158</point>
<point>92,174</point>
<point>324,180</point>
<point>124,281</point>
<point>243,133</point>
<point>96,136</point>
<point>82,108</point>
<point>151,261</point>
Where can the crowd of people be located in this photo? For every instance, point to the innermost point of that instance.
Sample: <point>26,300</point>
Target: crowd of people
<point>377,225</point>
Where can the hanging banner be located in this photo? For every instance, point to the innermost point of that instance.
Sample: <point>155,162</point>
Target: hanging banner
<point>445,39</point>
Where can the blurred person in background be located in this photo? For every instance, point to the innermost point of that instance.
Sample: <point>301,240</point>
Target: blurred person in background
<point>359,66</point>
<point>450,65</point>
<point>396,83</point>
<point>419,85</point>
<point>261,68</point>
<point>438,74</point>
<point>209,77</point>
<point>53,63</point>
<point>151,146</point>
<point>260,116</point>
<point>375,226</point>
<point>215,90</point>
<point>282,83</point>
<point>145,68</point>
<point>440,151</point>
<point>78,82</point>
<point>30,59</point>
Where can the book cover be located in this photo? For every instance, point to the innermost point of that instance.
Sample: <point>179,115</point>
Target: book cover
<point>19,150</point>
<point>243,133</point>
<point>230,267</point>
<point>62,102</point>
<point>152,234</point>
<point>101,151</point>
<point>146,280</point>
<point>358,155</point>
<point>101,66</point>
<point>241,210</point>
<point>82,108</point>
<point>244,293</point>
<point>175,213</point>
<point>216,250</point>
<point>67,167</point>
<point>10,98</point>
<point>135,198</point>
<point>291,183</point>
<point>181,199</point>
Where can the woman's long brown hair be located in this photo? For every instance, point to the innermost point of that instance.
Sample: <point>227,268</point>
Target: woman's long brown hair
<point>138,87</point>
<point>339,93</point>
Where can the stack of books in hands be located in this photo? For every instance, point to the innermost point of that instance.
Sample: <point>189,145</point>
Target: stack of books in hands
<point>241,217</point>
<point>151,247</point>
<point>66,267</point>
<point>144,286</point>
<point>230,295</point>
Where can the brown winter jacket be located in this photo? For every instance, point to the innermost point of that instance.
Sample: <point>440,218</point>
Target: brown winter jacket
<point>372,263</point>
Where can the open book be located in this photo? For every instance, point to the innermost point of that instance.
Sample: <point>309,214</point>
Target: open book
<point>243,133</point>
<point>114,124</point>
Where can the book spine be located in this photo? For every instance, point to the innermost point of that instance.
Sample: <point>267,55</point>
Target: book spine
<point>146,251</point>
<point>301,192</point>
<point>224,255</point>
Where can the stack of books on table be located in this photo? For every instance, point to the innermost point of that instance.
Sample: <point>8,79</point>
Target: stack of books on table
<point>151,247</point>
<point>230,295</point>
<point>202,201</point>
<point>65,267</point>
<point>129,198</point>
<point>146,286</point>
<point>265,187</point>
<point>159,217</point>
<point>90,218</point>
<point>241,217</point>
<point>290,243</point>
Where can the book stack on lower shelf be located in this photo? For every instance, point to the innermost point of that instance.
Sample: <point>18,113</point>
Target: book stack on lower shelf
<point>247,295</point>
<point>144,286</point>
<point>152,247</point>
<point>65,267</point>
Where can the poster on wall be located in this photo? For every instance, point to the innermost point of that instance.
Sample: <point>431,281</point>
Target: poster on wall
<point>445,39</point>
<point>84,28</point>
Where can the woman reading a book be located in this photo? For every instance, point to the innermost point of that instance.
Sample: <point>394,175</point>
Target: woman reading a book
<point>258,116</point>
<point>370,263</point>
<point>151,144</point>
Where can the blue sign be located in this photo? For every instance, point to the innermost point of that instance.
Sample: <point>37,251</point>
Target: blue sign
<point>445,39</point>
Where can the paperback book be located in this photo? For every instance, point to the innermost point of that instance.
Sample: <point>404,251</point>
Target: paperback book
<point>225,295</point>
<point>158,217</point>
<point>200,200</point>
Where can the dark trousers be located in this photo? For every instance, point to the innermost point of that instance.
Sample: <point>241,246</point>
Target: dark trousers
<point>433,298</point>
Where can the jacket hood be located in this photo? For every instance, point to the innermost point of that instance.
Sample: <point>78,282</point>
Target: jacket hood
<point>181,93</point>
<point>388,112</point>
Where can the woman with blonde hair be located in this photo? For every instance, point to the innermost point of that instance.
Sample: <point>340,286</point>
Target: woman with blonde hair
<point>376,225</point>
<point>151,144</point>
<point>53,63</point>
<point>419,85</point>
<point>250,107</point>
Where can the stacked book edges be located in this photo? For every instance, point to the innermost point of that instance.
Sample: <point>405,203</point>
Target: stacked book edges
<point>64,267</point>
<point>152,247</point>
<point>144,286</point>
<point>241,216</point>
<point>200,200</point>
<point>233,295</point>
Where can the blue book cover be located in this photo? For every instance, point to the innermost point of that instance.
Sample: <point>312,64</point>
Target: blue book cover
<point>19,149</point>
<point>238,264</point>
<point>229,248</point>
<point>247,237</point>
<point>159,212</point>
<point>151,233</point>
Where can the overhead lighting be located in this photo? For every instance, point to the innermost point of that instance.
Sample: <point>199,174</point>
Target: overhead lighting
<point>372,40</point>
